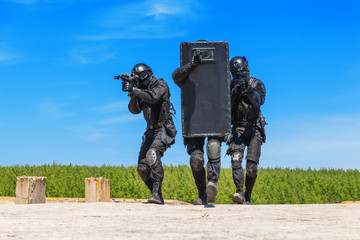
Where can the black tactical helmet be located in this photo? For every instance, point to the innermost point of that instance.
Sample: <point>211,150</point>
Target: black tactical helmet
<point>239,64</point>
<point>142,73</point>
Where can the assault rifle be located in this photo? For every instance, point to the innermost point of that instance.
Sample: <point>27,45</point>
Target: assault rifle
<point>127,78</point>
<point>240,85</point>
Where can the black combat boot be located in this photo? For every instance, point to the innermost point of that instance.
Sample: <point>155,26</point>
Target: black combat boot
<point>156,196</point>
<point>249,184</point>
<point>211,191</point>
<point>238,177</point>
<point>239,196</point>
<point>201,199</point>
<point>200,181</point>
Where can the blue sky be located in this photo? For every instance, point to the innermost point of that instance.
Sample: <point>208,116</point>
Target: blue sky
<point>59,102</point>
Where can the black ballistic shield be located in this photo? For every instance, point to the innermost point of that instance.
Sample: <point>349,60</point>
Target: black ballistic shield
<point>205,96</point>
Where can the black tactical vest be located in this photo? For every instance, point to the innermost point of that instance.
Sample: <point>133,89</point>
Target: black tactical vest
<point>157,113</point>
<point>243,112</point>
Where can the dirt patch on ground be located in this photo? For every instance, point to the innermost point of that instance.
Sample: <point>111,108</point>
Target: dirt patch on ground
<point>124,220</point>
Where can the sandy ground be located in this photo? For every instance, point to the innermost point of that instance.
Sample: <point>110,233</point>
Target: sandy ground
<point>146,221</point>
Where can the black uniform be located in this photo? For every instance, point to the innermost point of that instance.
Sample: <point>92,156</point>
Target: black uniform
<point>154,102</point>
<point>247,130</point>
<point>195,145</point>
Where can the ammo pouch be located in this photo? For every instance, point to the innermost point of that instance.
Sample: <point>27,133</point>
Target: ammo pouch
<point>168,133</point>
<point>170,129</point>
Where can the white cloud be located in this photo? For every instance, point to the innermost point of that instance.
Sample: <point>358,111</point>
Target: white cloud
<point>93,136</point>
<point>75,83</point>
<point>89,133</point>
<point>92,54</point>
<point>323,127</point>
<point>55,110</point>
<point>25,2</point>
<point>144,19</point>
<point>156,33</point>
<point>32,2</point>
<point>118,106</point>
<point>161,8</point>
<point>353,74</point>
<point>316,142</point>
<point>110,150</point>
<point>8,57</point>
<point>121,119</point>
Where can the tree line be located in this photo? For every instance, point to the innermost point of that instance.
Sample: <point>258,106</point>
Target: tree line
<point>273,186</point>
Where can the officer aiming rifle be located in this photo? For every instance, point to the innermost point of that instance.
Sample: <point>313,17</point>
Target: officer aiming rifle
<point>151,96</point>
<point>247,96</point>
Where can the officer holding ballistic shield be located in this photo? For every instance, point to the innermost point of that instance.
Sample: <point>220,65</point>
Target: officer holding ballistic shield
<point>204,80</point>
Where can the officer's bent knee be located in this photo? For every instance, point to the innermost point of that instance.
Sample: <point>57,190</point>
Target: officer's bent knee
<point>197,161</point>
<point>236,160</point>
<point>251,169</point>
<point>151,158</point>
<point>213,149</point>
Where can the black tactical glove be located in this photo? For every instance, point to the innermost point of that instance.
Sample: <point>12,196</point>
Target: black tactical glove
<point>127,86</point>
<point>196,60</point>
<point>245,88</point>
<point>241,87</point>
<point>125,76</point>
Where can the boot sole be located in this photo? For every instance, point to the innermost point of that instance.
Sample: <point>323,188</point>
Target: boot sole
<point>156,201</point>
<point>198,201</point>
<point>238,199</point>
<point>211,192</point>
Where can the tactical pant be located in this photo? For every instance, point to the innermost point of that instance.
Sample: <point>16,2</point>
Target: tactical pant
<point>195,148</point>
<point>150,167</point>
<point>242,137</point>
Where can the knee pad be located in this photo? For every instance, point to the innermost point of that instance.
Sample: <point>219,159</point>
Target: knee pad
<point>213,149</point>
<point>236,160</point>
<point>151,157</point>
<point>251,169</point>
<point>254,151</point>
<point>197,160</point>
<point>142,171</point>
